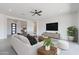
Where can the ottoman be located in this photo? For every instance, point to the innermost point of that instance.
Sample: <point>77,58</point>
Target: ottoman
<point>63,44</point>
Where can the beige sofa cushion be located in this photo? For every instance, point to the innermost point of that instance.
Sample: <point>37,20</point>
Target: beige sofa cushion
<point>22,38</point>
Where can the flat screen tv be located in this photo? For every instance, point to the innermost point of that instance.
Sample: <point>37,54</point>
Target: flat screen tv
<point>52,26</point>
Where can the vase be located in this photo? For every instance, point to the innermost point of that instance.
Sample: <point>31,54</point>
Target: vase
<point>71,38</point>
<point>47,48</point>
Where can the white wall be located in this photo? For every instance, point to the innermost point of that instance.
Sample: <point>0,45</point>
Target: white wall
<point>19,25</point>
<point>9,21</point>
<point>3,26</point>
<point>64,21</point>
<point>30,26</point>
<point>78,25</point>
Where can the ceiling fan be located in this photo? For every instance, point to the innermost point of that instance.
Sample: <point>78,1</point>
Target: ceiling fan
<point>36,12</point>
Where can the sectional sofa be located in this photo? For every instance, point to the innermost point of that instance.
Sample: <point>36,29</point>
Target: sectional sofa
<point>22,45</point>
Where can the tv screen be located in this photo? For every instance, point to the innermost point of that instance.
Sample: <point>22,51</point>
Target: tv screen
<point>52,26</point>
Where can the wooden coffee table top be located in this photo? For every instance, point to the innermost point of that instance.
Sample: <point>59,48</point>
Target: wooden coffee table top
<point>42,51</point>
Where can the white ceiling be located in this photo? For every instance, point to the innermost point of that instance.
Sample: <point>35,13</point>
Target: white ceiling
<point>22,10</point>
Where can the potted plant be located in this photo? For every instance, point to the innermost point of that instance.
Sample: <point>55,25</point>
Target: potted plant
<point>71,31</point>
<point>48,43</point>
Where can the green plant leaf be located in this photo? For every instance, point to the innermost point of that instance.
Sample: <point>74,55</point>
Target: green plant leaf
<point>48,42</point>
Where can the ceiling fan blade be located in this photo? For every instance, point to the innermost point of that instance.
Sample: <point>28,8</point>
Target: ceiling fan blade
<point>33,14</point>
<point>39,11</point>
<point>38,14</point>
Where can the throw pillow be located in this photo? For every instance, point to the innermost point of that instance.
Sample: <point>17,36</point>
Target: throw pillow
<point>31,39</point>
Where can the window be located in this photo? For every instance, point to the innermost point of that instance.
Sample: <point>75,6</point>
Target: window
<point>13,28</point>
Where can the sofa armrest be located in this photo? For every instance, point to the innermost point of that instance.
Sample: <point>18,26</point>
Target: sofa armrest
<point>36,46</point>
<point>39,44</point>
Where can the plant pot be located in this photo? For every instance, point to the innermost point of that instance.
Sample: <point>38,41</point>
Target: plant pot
<point>47,48</point>
<point>70,38</point>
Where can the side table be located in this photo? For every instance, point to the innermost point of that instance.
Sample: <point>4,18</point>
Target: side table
<point>42,51</point>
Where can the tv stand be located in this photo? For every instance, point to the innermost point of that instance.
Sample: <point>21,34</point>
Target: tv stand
<point>52,35</point>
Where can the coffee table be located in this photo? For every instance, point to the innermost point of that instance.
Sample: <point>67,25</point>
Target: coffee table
<point>42,51</point>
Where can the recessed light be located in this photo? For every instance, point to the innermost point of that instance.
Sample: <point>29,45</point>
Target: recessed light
<point>10,10</point>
